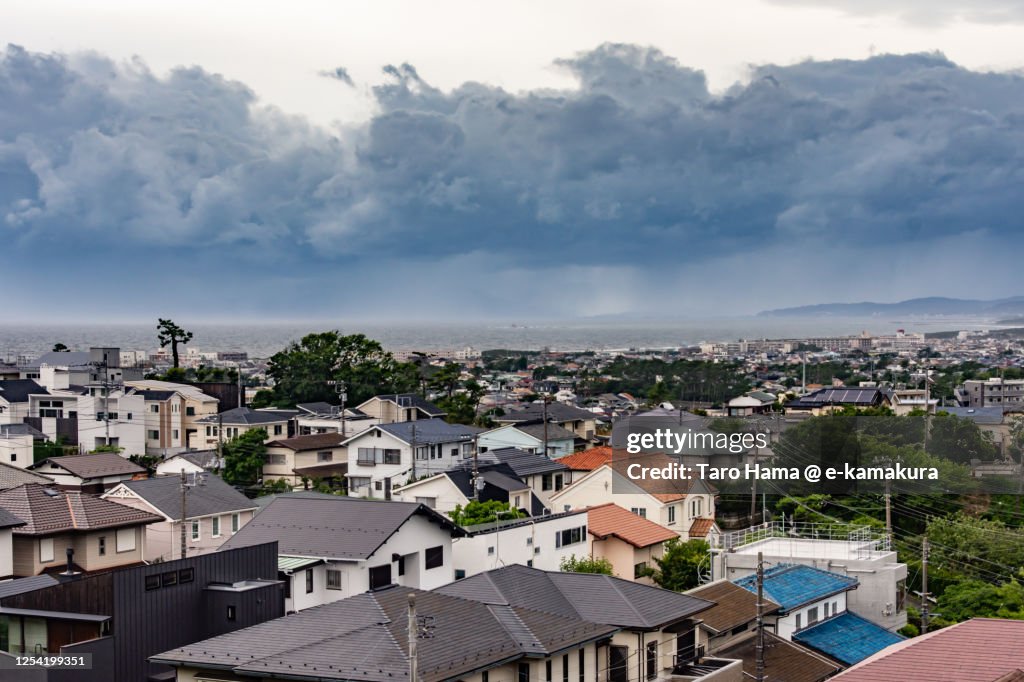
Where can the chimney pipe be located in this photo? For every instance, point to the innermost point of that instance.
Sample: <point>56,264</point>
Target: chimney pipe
<point>70,551</point>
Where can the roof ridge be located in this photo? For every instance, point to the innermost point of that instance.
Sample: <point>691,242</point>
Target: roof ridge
<point>71,511</point>
<point>629,602</point>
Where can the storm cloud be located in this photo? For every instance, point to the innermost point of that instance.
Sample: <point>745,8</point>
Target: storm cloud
<point>636,191</point>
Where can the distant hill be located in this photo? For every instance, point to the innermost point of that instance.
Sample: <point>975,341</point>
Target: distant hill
<point>935,305</point>
<point>1012,321</point>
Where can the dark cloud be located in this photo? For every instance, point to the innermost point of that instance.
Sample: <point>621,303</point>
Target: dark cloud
<point>638,190</point>
<point>927,12</point>
<point>338,73</point>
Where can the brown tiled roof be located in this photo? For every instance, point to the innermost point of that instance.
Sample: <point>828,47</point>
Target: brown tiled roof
<point>700,527</point>
<point>787,662</point>
<point>47,511</point>
<point>734,605</point>
<point>663,489</point>
<point>314,441</point>
<point>1015,676</point>
<point>12,476</point>
<point>611,520</point>
<point>977,650</point>
<point>96,465</point>
<point>587,460</point>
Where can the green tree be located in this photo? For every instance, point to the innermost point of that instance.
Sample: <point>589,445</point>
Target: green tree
<point>301,371</point>
<point>170,334</point>
<point>244,457</point>
<point>477,512</point>
<point>446,379</point>
<point>679,567</point>
<point>60,348</point>
<point>586,564</point>
<point>982,599</point>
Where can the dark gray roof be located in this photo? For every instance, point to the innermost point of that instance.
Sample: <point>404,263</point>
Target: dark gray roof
<point>559,412</point>
<point>978,415</point>
<point>248,416</point>
<point>333,526</point>
<point>536,429</point>
<point>18,390</point>
<point>499,481</point>
<point>71,358</point>
<point>592,597</point>
<point>22,430</point>
<point>9,520</point>
<point>839,395</point>
<point>158,396</point>
<point>95,465</point>
<point>317,408</point>
<point>215,497</point>
<point>524,463</point>
<point>207,459</point>
<point>413,400</point>
<point>12,476</point>
<point>364,638</point>
<point>9,588</point>
<point>429,431</point>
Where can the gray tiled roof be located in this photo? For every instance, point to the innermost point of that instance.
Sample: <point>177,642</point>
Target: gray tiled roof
<point>978,415</point>
<point>47,511</point>
<point>317,408</point>
<point>332,526</point>
<point>18,390</point>
<point>595,598</point>
<point>12,476</point>
<point>554,431</point>
<point>248,417</point>
<point>559,412</point>
<point>10,588</point>
<point>429,431</point>
<point>214,497</point>
<point>22,430</point>
<point>95,465</point>
<point>364,638</point>
<point>9,520</point>
<point>525,463</point>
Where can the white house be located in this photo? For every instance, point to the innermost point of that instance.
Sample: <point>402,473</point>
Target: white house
<point>17,443</point>
<point>96,472</point>
<point>543,475</point>
<point>541,542</point>
<point>14,399</point>
<point>232,423</point>
<point>529,436</point>
<point>337,546</point>
<point>400,407</point>
<point>193,462</point>
<point>8,522</point>
<point>382,455</point>
<point>443,492</point>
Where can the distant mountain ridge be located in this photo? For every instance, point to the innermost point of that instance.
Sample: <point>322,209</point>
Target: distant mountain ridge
<point>934,305</point>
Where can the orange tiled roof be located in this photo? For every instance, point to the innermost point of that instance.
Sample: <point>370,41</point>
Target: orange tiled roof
<point>611,520</point>
<point>588,460</point>
<point>700,527</point>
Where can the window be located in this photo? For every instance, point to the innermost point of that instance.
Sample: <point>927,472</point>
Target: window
<point>325,456</point>
<point>434,557</point>
<point>333,579</point>
<point>380,576</point>
<point>14,457</point>
<point>309,580</point>
<point>546,482</point>
<point>154,435</point>
<point>231,611</point>
<point>640,569</point>
<point>102,542</point>
<point>835,607</point>
<point>235,523</point>
<point>559,482</point>
<point>639,511</point>
<point>547,670</point>
<point>186,575</point>
<point>45,550</point>
<point>195,530</point>
<point>460,573</point>
<point>152,583</point>
<point>174,434</point>
<point>427,501</point>
<point>277,429</point>
<point>485,676</point>
<point>565,668</point>
<point>570,536</point>
<point>215,523</point>
<point>190,411</point>
<point>125,540</point>
<point>277,459</point>
<point>169,579</point>
<point>582,663</point>
<point>378,485</point>
<point>523,672</point>
<point>798,624</point>
<point>154,408</point>
<point>812,616</point>
<point>490,551</point>
<point>129,417</point>
<point>671,514</point>
<point>374,456</point>
<point>652,660</point>
<point>401,565</point>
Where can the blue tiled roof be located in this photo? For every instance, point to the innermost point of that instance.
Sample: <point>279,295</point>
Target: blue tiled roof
<point>848,638</point>
<point>793,585</point>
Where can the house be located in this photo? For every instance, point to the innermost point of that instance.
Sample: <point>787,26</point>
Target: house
<point>332,547</point>
<point>585,461</point>
<point>657,629</point>
<point>93,473</point>
<point>14,399</point>
<point>8,522</point>
<point>541,542</point>
<point>315,456</point>
<point>996,391</point>
<point>400,407</point>
<point>629,542</point>
<point>214,511</point>
<point>17,444</point>
<point>782,660</point>
<point>733,617</point>
<point>531,437</point>
<point>170,407</point>
<point>455,487</point>
<point>582,423</point>
<point>96,534</point>
<point>907,400</point>
<point>382,456</point>
<point>991,420</point>
<point>12,477</point>
<point>237,421</point>
<point>321,417</point>
<point>121,617</point>
<point>836,398</point>
<point>675,504</point>
<point>812,611</point>
<point>976,650</point>
<point>543,475</point>
<point>192,462</point>
<point>363,637</point>
<point>754,402</point>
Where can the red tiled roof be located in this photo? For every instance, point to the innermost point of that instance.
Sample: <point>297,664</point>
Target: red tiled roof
<point>700,527</point>
<point>977,650</point>
<point>611,520</point>
<point>587,460</point>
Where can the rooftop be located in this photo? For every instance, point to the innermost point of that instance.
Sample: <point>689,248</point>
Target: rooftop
<point>411,400</point>
<point>248,417</point>
<point>611,520</point>
<point>48,511</point>
<point>214,496</point>
<point>734,605</point>
<point>314,441</point>
<point>793,585</point>
<point>523,463</point>
<point>847,638</point>
<point>12,477</point>
<point>96,465</point>
<point>18,390</point>
<point>428,431</point>
<point>783,661</point>
<point>588,460</point>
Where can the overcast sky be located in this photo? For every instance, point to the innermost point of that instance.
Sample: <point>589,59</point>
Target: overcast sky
<point>524,159</point>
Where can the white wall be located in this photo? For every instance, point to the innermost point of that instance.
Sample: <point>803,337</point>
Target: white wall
<point>510,437</point>
<point>401,473</point>
<point>16,450</point>
<point>445,494</point>
<point>785,626</point>
<point>520,544</point>
<point>6,553</point>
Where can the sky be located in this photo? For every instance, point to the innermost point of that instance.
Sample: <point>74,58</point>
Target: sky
<point>410,160</point>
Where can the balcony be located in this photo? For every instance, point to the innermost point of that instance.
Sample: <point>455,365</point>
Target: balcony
<point>691,664</point>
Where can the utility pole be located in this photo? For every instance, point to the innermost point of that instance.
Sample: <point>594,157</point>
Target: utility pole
<point>924,585</point>
<point>412,445</point>
<point>759,670</point>
<point>241,395</point>
<point>888,512</point>
<point>413,633</point>
<point>476,470</point>
<point>184,515</point>
<point>544,411</point>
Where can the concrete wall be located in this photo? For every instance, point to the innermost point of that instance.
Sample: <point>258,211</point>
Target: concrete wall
<point>624,557</point>
<point>520,544</point>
